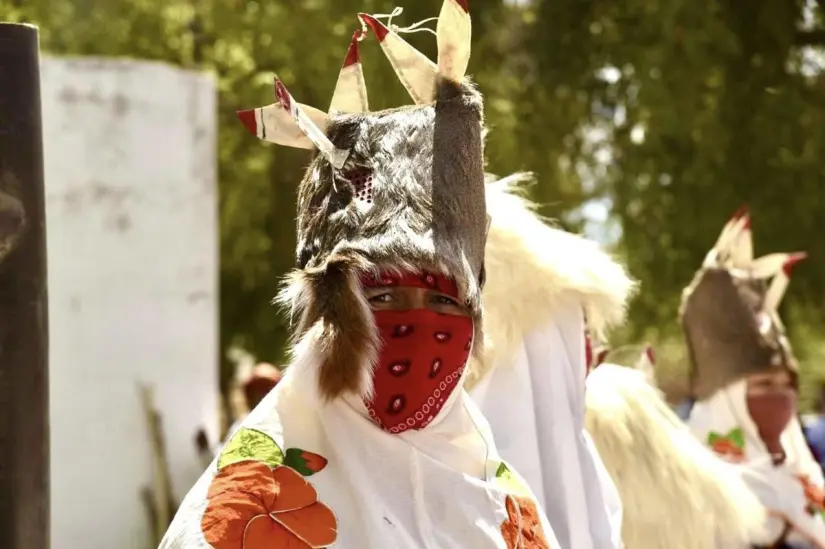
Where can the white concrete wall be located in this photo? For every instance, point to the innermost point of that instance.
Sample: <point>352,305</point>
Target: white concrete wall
<point>130,152</point>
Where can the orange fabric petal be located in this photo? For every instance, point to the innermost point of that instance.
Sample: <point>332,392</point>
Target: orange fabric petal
<point>264,533</point>
<point>510,528</point>
<point>238,494</point>
<point>315,524</point>
<point>294,491</point>
<point>522,529</point>
<point>253,478</point>
<point>531,531</point>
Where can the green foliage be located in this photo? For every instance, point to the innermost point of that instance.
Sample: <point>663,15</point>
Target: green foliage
<point>717,88</point>
<point>727,116</point>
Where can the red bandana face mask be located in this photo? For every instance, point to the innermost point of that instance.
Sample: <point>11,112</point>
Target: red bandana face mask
<point>421,360</point>
<point>772,412</point>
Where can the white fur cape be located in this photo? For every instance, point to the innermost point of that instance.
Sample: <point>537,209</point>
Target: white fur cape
<point>676,493</point>
<point>532,267</point>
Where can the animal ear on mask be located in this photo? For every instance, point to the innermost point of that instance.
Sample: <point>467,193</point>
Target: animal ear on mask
<point>417,73</point>
<point>292,124</point>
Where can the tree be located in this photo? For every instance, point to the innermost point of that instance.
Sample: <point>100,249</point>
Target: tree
<point>243,43</point>
<point>709,105</point>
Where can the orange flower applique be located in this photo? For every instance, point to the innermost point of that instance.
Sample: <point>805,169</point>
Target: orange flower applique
<point>813,494</point>
<point>253,506</point>
<point>522,529</point>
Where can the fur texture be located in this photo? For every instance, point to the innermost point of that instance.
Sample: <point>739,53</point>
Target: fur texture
<point>411,196</point>
<point>675,493</point>
<point>530,267</point>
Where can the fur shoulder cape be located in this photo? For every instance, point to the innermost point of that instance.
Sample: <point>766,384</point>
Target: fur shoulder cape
<point>676,493</point>
<point>531,266</point>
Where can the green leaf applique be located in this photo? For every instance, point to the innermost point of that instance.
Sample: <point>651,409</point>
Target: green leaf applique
<point>304,462</point>
<point>251,444</point>
<point>254,445</point>
<point>509,482</point>
<point>735,436</point>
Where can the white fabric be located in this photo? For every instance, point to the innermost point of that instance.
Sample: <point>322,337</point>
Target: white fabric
<point>428,489</point>
<point>776,486</point>
<point>454,33</point>
<point>535,407</point>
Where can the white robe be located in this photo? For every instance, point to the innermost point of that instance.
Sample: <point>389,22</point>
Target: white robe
<point>437,488</point>
<point>777,487</point>
<point>530,384</point>
<point>536,410</point>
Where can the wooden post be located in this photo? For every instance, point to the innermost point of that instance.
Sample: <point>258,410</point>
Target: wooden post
<point>24,414</point>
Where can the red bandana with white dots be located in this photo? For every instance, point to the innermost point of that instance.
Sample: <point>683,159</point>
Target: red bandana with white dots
<point>422,357</point>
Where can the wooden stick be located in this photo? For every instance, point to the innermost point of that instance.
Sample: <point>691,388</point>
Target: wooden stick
<point>163,506</point>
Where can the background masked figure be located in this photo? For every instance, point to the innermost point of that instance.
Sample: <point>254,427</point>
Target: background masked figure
<point>744,378</point>
<point>369,441</point>
<point>541,284</point>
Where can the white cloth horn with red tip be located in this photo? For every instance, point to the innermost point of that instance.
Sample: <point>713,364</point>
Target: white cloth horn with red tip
<point>350,94</point>
<point>454,33</point>
<point>275,124</point>
<point>734,247</point>
<point>769,265</point>
<point>741,248</point>
<point>647,363</point>
<point>293,124</point>
<point>417,73</point>
<point>779,284</point>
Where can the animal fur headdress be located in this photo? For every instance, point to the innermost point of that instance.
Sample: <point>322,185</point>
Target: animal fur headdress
<point>729,311</point>
<point>398,189</point>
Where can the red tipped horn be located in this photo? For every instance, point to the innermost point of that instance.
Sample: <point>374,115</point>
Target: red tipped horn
<point>792,262</point>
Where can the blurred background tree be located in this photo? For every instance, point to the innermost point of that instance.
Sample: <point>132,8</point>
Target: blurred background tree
<point>668,114</point>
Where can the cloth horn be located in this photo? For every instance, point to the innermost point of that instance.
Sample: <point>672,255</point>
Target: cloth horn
<point>305,121</point>
<point>647,363</point>
<point>350,94</point>
<point>274,124</point>
<point>416,72</point>
<point>454,33</point>
<point>769,265</point>
<point>727,245</point>
<point>741,249</point>
<point>779,284</point>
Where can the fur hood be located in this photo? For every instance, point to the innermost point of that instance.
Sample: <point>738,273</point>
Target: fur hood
<point>399,189</point>
<point>676,494</point>
<point>530,266</point>
<point>729,313</point>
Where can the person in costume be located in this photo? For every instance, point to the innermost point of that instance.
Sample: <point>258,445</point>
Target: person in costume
<point>814,427</point>
<point>744,377</point>
<point>263,378</point>
<point>369,441</point>
<point>542,282</point>
<point>260,380</point>
<point>676,493</point>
